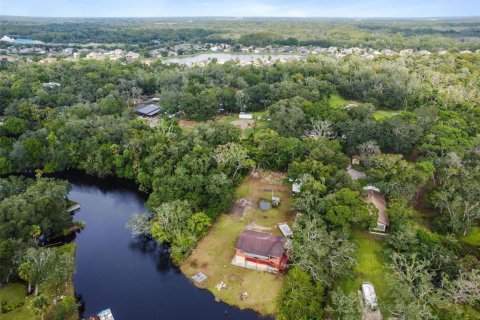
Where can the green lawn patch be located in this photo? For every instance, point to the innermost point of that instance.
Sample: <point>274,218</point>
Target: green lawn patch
<point>385,114</point>
<point>13,294</point>
<point>473,237</point>
<point>370,267</point>
<point>337,101</point>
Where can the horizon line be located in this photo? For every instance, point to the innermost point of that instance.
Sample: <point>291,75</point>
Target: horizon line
<point>241,17</point>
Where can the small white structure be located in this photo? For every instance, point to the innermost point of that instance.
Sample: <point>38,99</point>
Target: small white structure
<point>371,188</point>
<point>245,116</point>
<point>105,314</point>
<point>275,201</point>
<point>297,186</point>
<point>199,277</point>
<point>369,295</point>
<point>51,85</point>
<point>356,159</point>
<point>7,39</point>
<point>287,232</point>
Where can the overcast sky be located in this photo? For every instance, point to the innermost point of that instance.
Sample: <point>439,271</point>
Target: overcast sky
<point>244,8</point>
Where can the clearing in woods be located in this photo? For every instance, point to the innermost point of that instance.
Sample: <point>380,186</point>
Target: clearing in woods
<point>214,253</point>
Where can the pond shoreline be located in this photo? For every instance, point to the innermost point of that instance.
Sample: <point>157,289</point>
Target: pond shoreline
<point>120,198</point>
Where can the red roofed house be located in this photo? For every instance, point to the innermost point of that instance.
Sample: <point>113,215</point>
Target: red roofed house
<point>260,251</point>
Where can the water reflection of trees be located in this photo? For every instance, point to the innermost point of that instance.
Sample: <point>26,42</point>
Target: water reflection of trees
<point>156,251</point>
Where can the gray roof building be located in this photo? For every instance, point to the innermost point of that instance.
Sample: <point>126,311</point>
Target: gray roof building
<point>149,110</point>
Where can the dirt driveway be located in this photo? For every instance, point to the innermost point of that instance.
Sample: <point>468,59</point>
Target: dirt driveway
<point>243,124</point>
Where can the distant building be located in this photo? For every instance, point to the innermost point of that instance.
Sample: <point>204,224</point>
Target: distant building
<point>406,52</point>
<point>7,39</point>
<point>424,53</point>
<point>356,159</point>
<point>245,116</point>
<point>130,56</point>
<point>51,85</point>
<point>260,251</point>
<point>150,110</point>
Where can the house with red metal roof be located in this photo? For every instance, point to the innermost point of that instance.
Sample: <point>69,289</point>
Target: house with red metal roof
<point>260,251</point>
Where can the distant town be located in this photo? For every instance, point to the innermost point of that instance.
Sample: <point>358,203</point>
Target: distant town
<point>30,50</point>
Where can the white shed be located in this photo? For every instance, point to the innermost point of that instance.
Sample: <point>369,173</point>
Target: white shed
<point>245,116</point>
<point>287,232</point>
<point>297,186</point>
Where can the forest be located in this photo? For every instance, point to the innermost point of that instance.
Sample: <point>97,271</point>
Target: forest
<point>414,121</point>
<point>395,34</point>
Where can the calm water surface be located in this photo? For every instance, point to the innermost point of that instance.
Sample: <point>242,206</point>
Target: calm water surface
<point>223,57</point>
<point>133,278</point>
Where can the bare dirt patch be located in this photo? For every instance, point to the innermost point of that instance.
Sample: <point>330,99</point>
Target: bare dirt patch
<point>186,123</point>
<point>240,206</point>
<point>243,123</point>
<point>152,122</point>
<point>256,227</point>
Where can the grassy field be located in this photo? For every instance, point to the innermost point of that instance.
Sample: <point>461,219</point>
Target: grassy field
<point>370,267</point>
<point>385,114</point>
<point>337,101</point>
<point>14,293</point>
<point>473,237</point>
<point>214,253</point>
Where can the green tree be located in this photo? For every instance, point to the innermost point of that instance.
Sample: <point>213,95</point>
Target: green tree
<point>288,118</point>
<point>346,307</point>
<point>36,267</point>
<point>232,157</point>
<point>40,306</point>
<point>301,298</point>
<point>322,254</point>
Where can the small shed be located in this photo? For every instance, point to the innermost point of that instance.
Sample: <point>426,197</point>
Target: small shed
<point>199,277</point>
<point>245,116</point>
<point>356,159</point>
<point>275,201</point>
<point>285,229</point>
<point>296,186</point>
<point>149,110</point>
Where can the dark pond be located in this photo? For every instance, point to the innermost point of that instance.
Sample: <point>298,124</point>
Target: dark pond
<point>132,277</point>
<point>264,205</point>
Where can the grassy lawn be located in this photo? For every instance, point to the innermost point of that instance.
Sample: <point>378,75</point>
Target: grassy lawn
<point>370,267</point>
<point>473,237</point>
<point>14,293</point>
<point>337,101</point>
<point>385,114</point>
<point>214,253</point>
